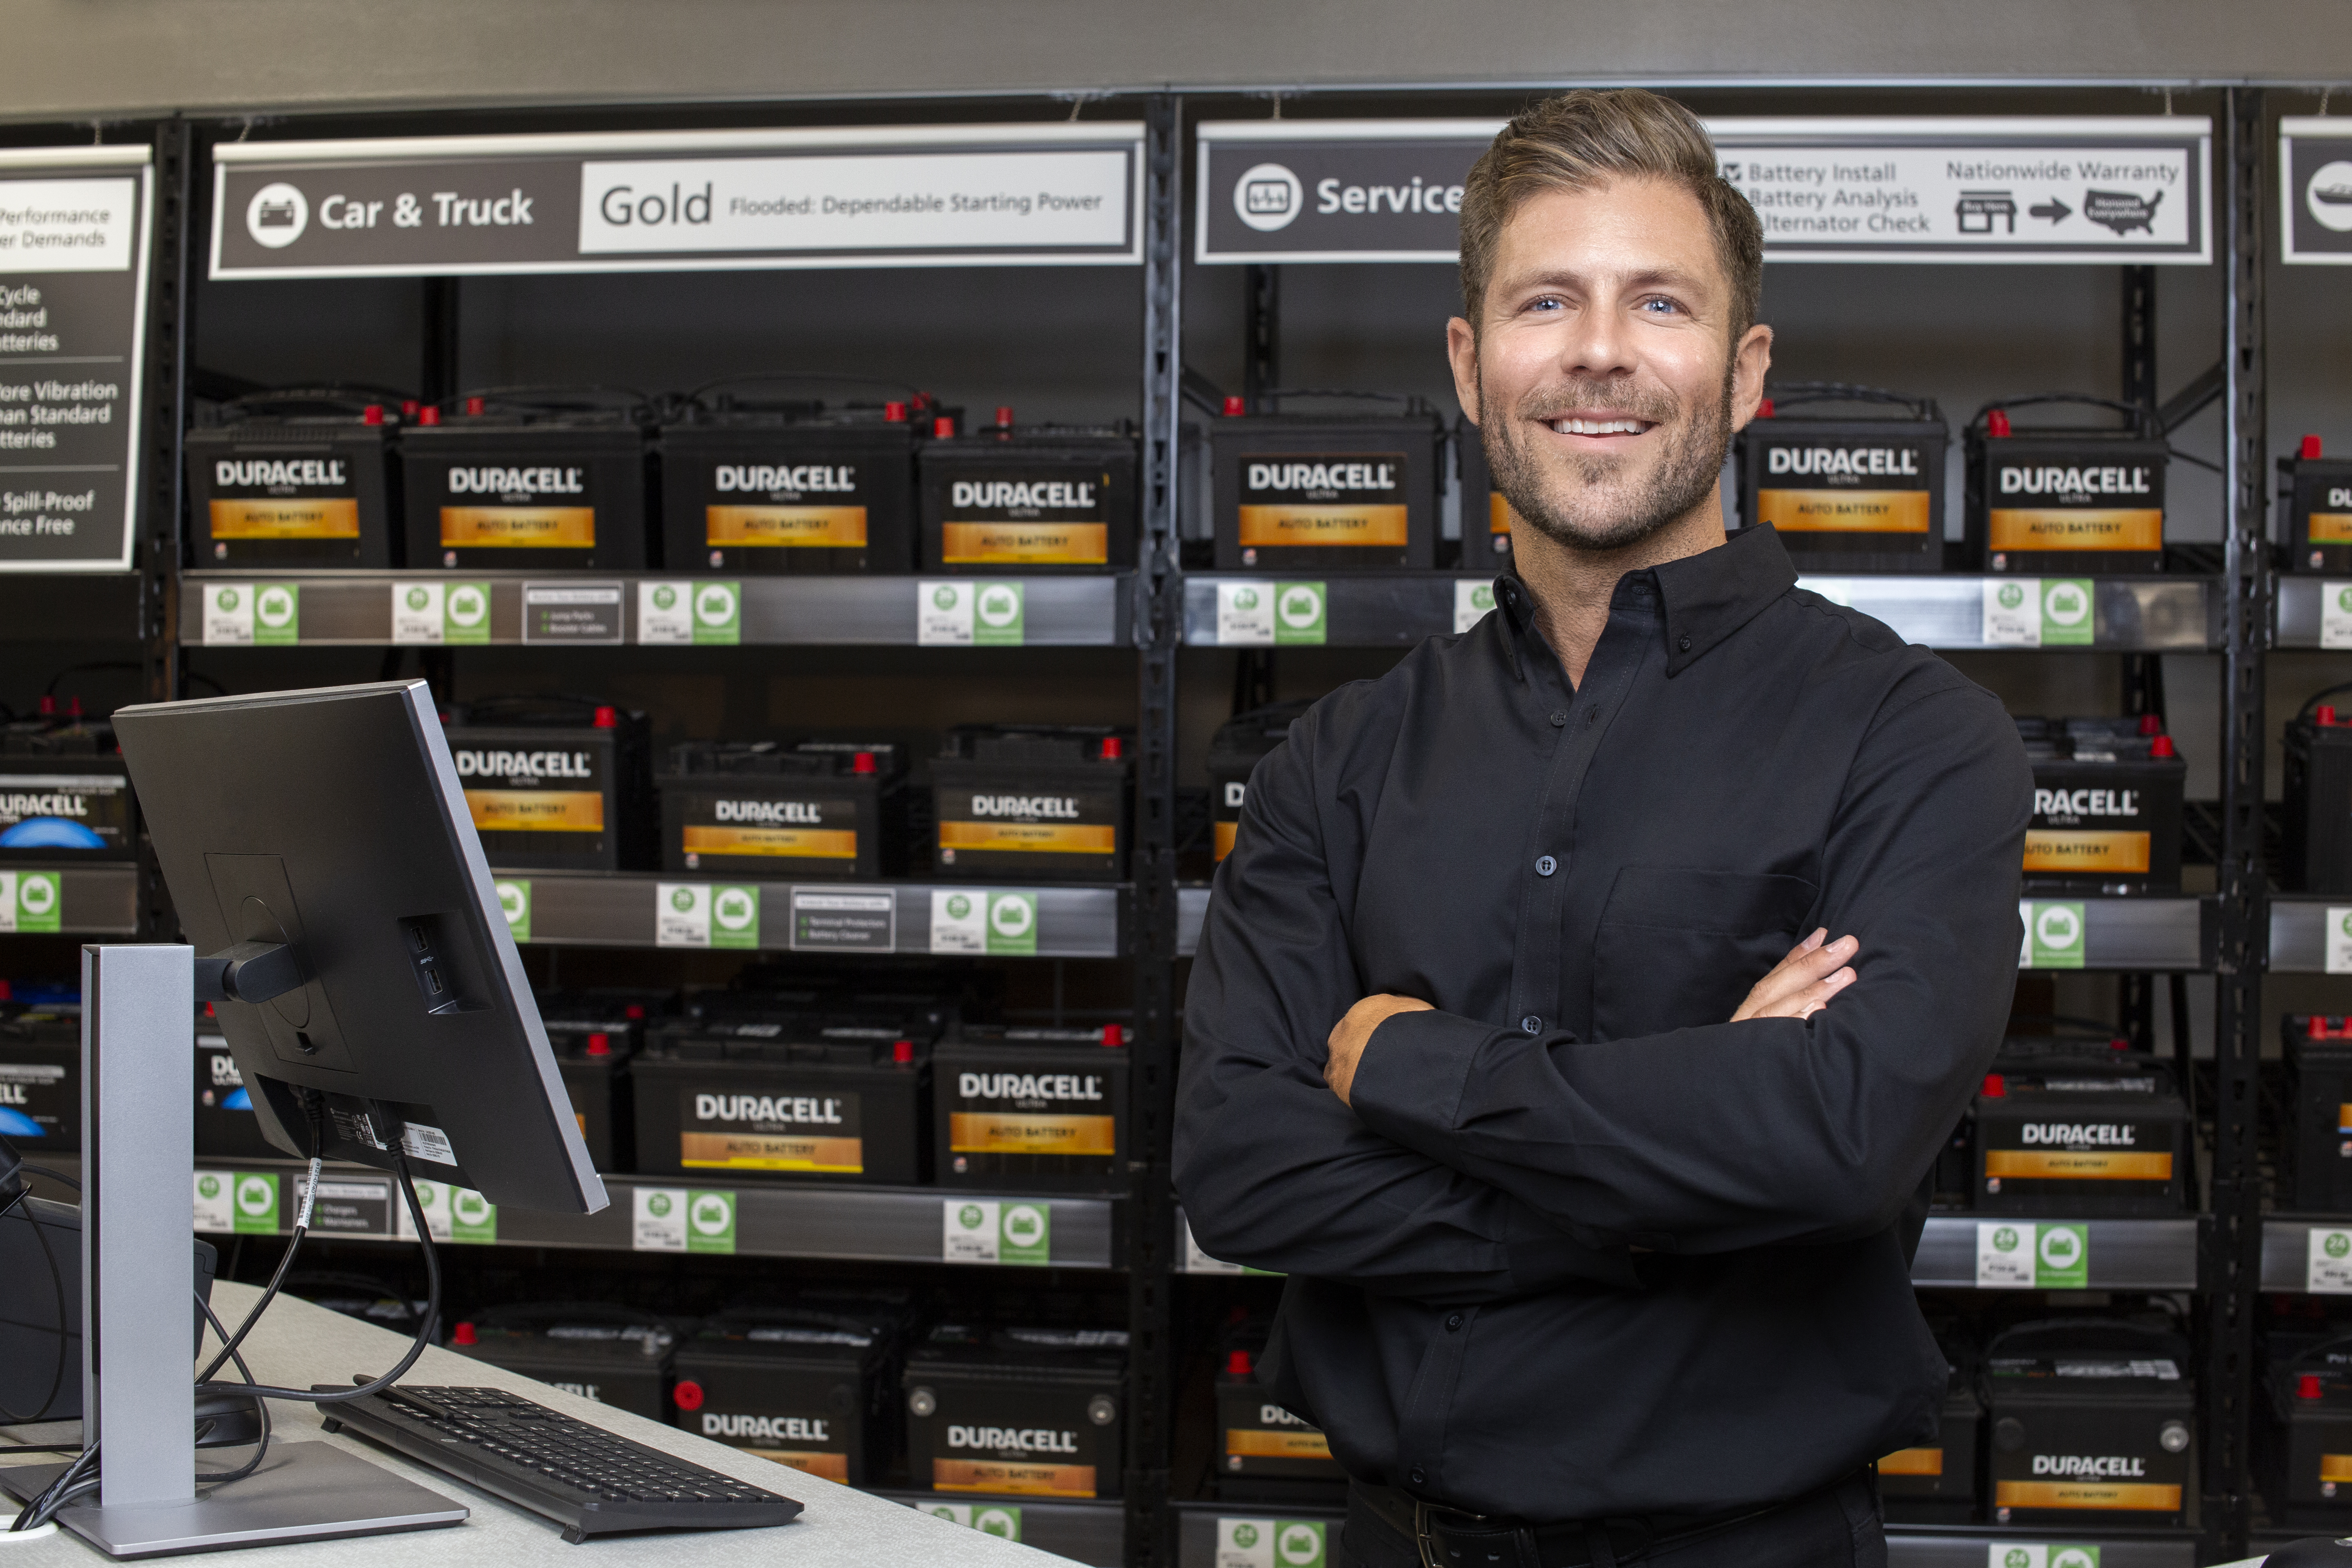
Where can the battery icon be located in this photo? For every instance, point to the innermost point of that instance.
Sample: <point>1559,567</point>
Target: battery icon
<point>1267,196</point>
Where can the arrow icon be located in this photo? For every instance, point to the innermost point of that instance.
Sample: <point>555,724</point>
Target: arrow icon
<point>2053,209</point>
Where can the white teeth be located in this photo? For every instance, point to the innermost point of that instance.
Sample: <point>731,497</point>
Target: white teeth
<point>1599,426</point>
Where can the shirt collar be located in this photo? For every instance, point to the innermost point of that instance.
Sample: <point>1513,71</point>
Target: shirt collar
<point>1707,596</point>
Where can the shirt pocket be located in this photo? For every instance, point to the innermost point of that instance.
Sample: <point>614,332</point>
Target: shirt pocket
<point>1679,948</point>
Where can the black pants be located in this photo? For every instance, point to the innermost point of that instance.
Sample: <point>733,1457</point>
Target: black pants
<point>1837,1527</point>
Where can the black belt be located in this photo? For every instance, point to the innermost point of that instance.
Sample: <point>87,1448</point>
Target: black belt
<point>1448,1538</point>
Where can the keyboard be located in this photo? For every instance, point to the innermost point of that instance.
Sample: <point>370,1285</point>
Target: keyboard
<point>589,1481</point>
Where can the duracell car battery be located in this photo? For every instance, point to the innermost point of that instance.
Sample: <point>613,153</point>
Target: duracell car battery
<point>2093,1421</point>
<point>784,1097</point>
<point>807,1389</point>
<point>789,487</point>
<point>1234,753</point>
<point>2068,1132</point>
<point>1937,1482</point>
<point>1042,801</point>
<point>64,795</point>
<point>611,1354</point>
<point>1034,1108</point>
<point>2316,837</point>
<point>1029,1412</point>
<point>2315,507</point>
<point>1485,515</point>
<point>555,783</point>
<point>1300,492</point>
<point>295,478</point>
<point>594,1038</point>
<point>2317,1144</point>
<point>1265,1454</point>
<point>1846,494</point>
<point>40,1080</point>
<point>2305,1448</point>
<point>1039,500</point>
<point>2106,806</point>
<point>2065,502</point>
<point>525,482</point>
<point>226,1127</point>
<point>784,809</point>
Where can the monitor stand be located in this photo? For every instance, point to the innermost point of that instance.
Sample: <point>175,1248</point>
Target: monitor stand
<point>138,1035</point>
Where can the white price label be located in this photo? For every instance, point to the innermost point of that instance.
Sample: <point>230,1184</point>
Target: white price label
<point>2004,1255</point>
<point>2327,1268</point>
<point>2012,612</point>
<point>658,1220</point>
<point>228,613</point>
<point>943,615</point>
<point>682,914</point>
<point>2336,614</point>
<point>666,612</point>
<point>215,1202</point>
<point>433,1197</point>
<point>1246,614</point>
<point>972,1231</point>
<point>2339,939</point>
<point>417,609</point>
<point>1473,599</point>
<point>958,921</point>
<point>1199,1262</point>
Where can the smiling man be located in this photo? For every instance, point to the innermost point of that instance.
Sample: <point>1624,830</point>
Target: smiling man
<point>1582,1003</point>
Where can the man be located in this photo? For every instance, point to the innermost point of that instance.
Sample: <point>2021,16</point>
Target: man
<point>1597,1185</point>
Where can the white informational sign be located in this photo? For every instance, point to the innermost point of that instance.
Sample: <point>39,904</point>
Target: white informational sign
<point>2013,613</point>
<point>1246,614</point>
<point>2316,190</point>
<point>1473,598</point>
<point>2336,614</point>
<point>2327,1265</point>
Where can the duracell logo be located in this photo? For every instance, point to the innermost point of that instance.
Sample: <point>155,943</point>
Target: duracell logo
<point>1894,462</point>
<point>1054,496</point>
<point>767,811</point>
<point>2339,498</point>
<point>759,479</point>
<point>2053,481</point>
<point>1024,806</point>
<point>280,473</point>
<point>12,806</point>
<point>1322,476</point>
<point>774,1428</point>
<point>809,1108</point>
<point>2073,1134</point>
<point>1028,1086</point>
<point>524,765</point>
<point>2090,1466</point>
<point>516,481</point>
<point>225,1073</point>
<point>1276,1416</point>
<point>2086,803</point>
<point>1021,1439</point>
<point>1234,792</point>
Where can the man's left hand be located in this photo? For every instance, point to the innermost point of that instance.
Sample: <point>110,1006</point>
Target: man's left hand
<point>1352,1034</point>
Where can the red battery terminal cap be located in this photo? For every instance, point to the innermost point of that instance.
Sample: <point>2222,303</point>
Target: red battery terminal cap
<point>1997,422</point>
<point>372,415</point>
<point>2151,723</point>
<point>475,405</point>
<point>408,406</point>
<point>687,1393</point>
<point>633,1011</point>
<point>863,762</point>
<point>1764,409</point>
<point>1113,748</point>
<point>895,411</point>
<point>428,415</point>
<point>48,706</point>
<point>902,1051</point>
<point>4,996</point>
<point>1005,417</point>
<point>943,425</point>
<point>462,1334</point>
<point>1237,1363</point>
<point>2314,1027</point>
<point>1113,1034</point>
<point>2161,747</point>
<point>1236,407</point>
<point>1995,1087</point>
<point>2311,447</point>
<point>2325,716</point>
<point>608,718</point>
<point>73,707</point>
<point>600,1044</point>
<point>2307,1386</point>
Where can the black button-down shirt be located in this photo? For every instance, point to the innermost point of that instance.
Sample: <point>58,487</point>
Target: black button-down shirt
<point>1583,1247</point>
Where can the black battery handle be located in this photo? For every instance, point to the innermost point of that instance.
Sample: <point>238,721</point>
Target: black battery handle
<point>2140,418</point>
<point>1794,394</point>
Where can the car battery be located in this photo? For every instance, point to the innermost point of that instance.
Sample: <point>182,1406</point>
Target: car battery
<point>2305,1448</point>
<point>1266,1453</point>
<point>1937,1482</point>
<point>789,1098</point>
<point>1325,493</point>
<point>2064,1132</point>
<point>1233,754</point>
<point>769,808</point>
<point>65,796</point>
<point>293,479</point>
<point>610,1354</point>
<point>40,1081</point>
<point>2316,1148</point>
<point>1040,500</point>
<point>2093,1420</point>
<point>1485,515</point>
<point>2317,804</point>
<point>788,488</point>
<point>556,784</point>
<point>2106,806</point>
<point>1032,1109</point>
<point>2316,503</point>
<point>226,1127</point>
<point>1851,494</point>
<point>808,1389</point>
<point>1046,801</point>
<point>594,1039</point>
<point>2065,502</point>
<point>525,485</point>
<point>1028,1412</point>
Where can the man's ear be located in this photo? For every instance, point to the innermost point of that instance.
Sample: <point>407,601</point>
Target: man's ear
<point>1750,363</point>
<point>1462,352</point>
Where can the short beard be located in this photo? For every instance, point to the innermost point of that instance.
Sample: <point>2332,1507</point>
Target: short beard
<point>1588,507</point>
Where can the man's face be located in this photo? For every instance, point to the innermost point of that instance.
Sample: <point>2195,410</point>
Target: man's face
<point>1602,375</point>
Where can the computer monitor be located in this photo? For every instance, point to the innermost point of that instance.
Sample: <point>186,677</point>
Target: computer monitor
<point>331,821</point>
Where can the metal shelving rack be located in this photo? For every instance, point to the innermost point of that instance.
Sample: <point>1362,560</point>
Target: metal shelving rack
<point>1156,610</point>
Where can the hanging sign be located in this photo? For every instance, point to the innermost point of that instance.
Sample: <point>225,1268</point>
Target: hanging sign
<point>2316,190</point>
<point>2052,189</point>
<point>1048,194</point>
<point>73,317</point>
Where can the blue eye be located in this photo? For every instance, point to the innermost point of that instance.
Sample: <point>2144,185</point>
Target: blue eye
<point>1660,305</point>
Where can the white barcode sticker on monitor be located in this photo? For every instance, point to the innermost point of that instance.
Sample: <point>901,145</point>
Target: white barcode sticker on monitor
<point>423,1142</point>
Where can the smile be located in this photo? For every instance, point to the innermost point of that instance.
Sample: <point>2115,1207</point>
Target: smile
<point>1616,425</point>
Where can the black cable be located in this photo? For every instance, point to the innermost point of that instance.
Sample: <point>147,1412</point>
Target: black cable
<point>260,1405</point>
<point>294,1243</point>
<point>57,1494</point>
<point>58,1176</point>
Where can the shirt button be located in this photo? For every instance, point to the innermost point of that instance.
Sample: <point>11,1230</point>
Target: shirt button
<point>1453,1322</point>
<point>1531,1024</point>
<point>1683,645</point>
<point>1558,719</point>
<point>1417,1477</point>
<point>1546,866</point>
